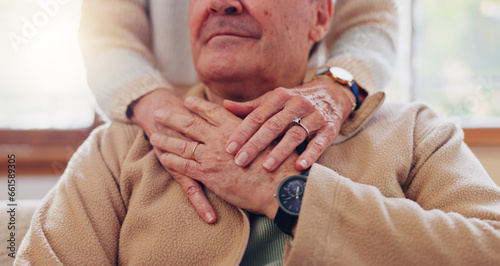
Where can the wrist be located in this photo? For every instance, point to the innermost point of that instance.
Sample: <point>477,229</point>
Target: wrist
<point>141,111</point>
<point>346,99</point>
<point>286,170</point>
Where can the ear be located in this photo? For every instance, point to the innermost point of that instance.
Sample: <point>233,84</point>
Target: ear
<point>323,15</point>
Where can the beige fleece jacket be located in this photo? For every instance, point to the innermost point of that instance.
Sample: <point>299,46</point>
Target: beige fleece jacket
<point>399,188</point>
<point>132,47</point>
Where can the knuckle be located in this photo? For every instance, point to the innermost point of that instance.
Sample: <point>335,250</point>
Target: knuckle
<point>317,145</point>
<point>257,118</point>
<point>183,148</point>
<point>331,130</point>
<point>212,110</point>
<point>189,124</point>
<point>304,103</point>
<point>193,190</point>
<point>274,126</point>
<point>297,134</point>
<point>282,91</point>
<point>282,94</point>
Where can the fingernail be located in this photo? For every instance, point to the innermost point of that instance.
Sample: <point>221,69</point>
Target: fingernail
<point>269,163</point>
<point>304,164</point>
<point>241,159</point>
<point>232,147</point>
<point>159,113</point>
<point>155,137</point>
<point>210,218</point>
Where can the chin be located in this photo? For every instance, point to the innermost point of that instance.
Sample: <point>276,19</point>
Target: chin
<point>224,67</point>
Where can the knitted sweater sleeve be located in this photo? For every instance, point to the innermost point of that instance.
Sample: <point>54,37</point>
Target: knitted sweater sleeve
<point>116,42</point>
<point>362,39</point>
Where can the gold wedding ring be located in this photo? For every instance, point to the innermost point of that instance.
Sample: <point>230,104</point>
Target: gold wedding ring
<point>194,149</point>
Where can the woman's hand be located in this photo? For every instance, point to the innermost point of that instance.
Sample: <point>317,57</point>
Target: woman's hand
<point>205,159</point>
<point>158,102</point>
<point>322,105</point>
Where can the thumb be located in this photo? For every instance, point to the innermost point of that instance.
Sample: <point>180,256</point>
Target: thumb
<point>241,109</point>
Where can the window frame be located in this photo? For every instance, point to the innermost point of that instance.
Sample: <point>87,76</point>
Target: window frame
<point>43,152</point>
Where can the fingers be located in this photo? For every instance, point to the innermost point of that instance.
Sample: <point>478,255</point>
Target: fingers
<point>269,104</point>
<point>269,131</point>
<point>193,189</point>
<point>192,126</point>
<point>180,147</point>
<point>212,113</point>
<point>242,109</point>
<point>275,127</point>
<point>323,139</point>
<point>196,196</point>
<point>295,136</point>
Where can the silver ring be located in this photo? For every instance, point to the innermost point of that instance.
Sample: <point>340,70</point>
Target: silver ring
<point>194,149</point>
<point>296,121</point>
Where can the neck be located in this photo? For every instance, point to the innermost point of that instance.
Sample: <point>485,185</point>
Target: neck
<point>218,91</point>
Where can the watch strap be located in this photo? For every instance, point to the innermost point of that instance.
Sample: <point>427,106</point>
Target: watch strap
<point>285,221</point>
<point>355,91</point>
<point>305,172</point>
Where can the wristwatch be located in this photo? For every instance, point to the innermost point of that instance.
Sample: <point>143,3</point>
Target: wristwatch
<point>289,196</point>
<point>343,77</point>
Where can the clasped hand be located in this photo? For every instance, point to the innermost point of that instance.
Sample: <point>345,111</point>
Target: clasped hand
<point>204,158</point>
<point>321,104</point>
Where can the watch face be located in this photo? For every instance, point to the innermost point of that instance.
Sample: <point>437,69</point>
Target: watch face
<point>290,193</point>
<point>341,73</point>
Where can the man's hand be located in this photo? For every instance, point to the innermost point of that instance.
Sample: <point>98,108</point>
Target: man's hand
<point>160,101</point>
<point>322,105</point>
<point>205,159</point>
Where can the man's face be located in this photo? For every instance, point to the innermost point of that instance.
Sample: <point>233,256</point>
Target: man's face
<point>256,41</point>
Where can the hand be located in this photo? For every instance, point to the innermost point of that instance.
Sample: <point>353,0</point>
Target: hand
<point>250,188</point>
<point>157,102</point>
<point>322,104</point>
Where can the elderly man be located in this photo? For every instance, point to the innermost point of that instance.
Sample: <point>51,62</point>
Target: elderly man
<point>399,186</point>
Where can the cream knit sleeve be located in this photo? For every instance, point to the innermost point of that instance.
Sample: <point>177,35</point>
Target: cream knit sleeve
<point>362,39</point>
<point>116,43</point>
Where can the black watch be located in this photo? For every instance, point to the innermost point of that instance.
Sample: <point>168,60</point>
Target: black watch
<point>289,196</point>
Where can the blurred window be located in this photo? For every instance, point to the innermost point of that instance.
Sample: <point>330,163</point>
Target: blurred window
<point>450,58</point>
<point>42,78</point>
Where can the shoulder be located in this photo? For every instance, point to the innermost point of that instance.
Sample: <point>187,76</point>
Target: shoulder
<point>415,127</point>
<point>112,143</point>
<point>418,116</point>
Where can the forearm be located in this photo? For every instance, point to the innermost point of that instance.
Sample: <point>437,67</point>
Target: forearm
<point>363,40</point>
<point>115,39</point>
